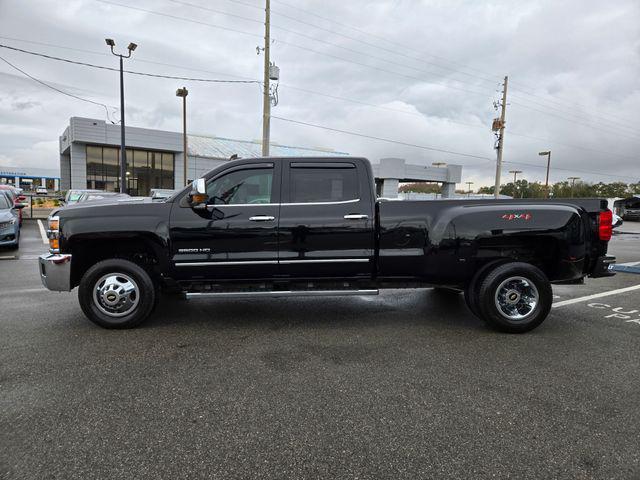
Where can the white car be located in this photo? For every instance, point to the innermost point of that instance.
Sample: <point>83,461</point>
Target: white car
<point>41,191</point>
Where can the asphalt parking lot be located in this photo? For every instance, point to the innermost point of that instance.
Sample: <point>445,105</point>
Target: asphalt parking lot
<point>404,385</point>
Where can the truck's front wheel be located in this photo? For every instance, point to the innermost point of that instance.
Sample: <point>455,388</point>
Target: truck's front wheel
<point>515,297</point>
<point>116,293</point>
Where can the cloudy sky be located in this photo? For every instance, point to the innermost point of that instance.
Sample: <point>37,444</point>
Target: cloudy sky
<point>418,72</point>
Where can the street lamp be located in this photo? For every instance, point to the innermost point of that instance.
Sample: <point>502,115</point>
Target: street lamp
<point>546,183</point>
<point>515,177</point>
<point>573,182</point>
<point>123,156</point>
<point>469,188</point>
<point>183,92</point>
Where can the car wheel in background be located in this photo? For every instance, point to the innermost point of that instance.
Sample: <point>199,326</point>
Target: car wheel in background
<point>117,293</point>
<point>515,297</point>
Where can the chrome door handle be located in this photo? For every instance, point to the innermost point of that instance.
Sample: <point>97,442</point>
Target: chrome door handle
<point>356,216</point>
<point>262,218</point>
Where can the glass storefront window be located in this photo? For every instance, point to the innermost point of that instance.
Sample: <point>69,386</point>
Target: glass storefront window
<point>145,170</point>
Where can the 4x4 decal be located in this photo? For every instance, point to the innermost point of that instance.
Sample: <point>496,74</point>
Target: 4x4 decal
<point>517,216</point>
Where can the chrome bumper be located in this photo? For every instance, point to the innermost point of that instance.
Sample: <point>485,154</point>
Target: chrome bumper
<point>55,272</point>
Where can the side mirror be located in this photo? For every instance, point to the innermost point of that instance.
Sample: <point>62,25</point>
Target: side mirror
<point>200,186</point>
<point>198,196</point>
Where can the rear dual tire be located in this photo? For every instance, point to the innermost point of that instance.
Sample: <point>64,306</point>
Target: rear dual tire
<point>117,294</point>
<point>513,297</point>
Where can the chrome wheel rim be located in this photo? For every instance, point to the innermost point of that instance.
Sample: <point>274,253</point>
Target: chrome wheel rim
<point>516,298</point>
<point>116,294</point>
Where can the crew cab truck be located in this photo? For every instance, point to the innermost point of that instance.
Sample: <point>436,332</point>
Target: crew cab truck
<point>313,226</point>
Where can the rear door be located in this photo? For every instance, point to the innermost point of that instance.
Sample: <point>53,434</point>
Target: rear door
<point>326,220</point>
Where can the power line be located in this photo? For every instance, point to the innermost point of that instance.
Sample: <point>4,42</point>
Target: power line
<point>372,137</point>
<point>258,82</point>
<point>106,109</point>
<point>610,131</point>
<point>477,126</point>
<point>307,49</point>
<point>591,172</point>
<point>134,60</point>
<point>293,45</point>
<point>580,115</point>
<point>364,32</point>
<point>486,76</point>
<point>334,32</point>
<point>144,74</point>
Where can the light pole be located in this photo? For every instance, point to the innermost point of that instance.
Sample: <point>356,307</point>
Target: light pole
<point>123,155</point>
<point>573,182</point>
<point>546,182</point>
<point>183,92</point>
<point>469,188</point>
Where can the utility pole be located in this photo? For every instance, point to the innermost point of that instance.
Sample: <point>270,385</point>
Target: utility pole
<point>500,127</point>
<point>183,92</point>
<point>573,182</point>
<point>469,188</point>
<point>266,98</point>
<point>546,182</point>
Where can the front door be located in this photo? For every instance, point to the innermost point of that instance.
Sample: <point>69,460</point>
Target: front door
<point>236,236</point>
<point>326,220</point>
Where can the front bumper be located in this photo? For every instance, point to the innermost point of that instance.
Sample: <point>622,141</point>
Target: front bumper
<point>55,272</point>
<point>603,267</point>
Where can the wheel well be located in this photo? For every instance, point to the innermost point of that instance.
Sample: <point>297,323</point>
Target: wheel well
<point>88,251</point>
<point>540,251</point>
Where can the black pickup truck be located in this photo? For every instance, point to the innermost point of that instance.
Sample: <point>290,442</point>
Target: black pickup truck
<point>313,226</point>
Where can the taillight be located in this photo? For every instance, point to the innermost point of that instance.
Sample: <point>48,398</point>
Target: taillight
<point>605,225</point>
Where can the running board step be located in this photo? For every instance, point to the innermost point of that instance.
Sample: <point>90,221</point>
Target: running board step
<point>280,293</point>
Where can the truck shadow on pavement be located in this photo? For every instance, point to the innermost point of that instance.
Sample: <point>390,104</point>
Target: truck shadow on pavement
<point>422,307</point>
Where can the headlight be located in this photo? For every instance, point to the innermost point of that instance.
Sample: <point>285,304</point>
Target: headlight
<point>54,234</point>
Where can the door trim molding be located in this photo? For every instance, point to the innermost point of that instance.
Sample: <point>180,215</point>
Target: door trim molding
<point>325,260</point>
<point>272,262</point>
<point>208,264</point>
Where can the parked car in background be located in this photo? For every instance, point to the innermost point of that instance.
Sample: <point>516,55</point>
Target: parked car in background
<point>158,194</point>
<point>616,221</point>
<point>94,196</point>
<point>74,195</point>
<point>9,222</point>
<point>15,196</point>
<point>41,191</point>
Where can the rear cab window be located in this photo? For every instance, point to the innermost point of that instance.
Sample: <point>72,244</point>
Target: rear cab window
<point>323,183</point>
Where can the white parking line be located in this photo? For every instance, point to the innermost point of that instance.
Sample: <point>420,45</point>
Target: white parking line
<point>595,295</point>
<point>43,233</point>
<point>8,257</point>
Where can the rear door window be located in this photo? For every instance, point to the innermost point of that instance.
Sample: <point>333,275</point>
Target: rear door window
<point>322,185</point>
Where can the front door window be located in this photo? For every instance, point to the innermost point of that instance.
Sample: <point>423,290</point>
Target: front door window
<point>249,186</point>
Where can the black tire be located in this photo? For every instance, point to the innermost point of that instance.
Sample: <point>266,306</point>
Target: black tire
<point>471,297</point>
<point>132,290</point>
<point>472,293</point>
<point>530,297</point>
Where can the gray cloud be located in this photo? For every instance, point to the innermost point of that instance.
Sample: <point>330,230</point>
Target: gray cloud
<point>436,90</point>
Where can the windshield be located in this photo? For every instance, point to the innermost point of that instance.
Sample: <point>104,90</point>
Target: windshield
<point>4,202</point>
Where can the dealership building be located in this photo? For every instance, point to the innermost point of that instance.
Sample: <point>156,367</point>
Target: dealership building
<point>29,178</point>
<point>90,149</point>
